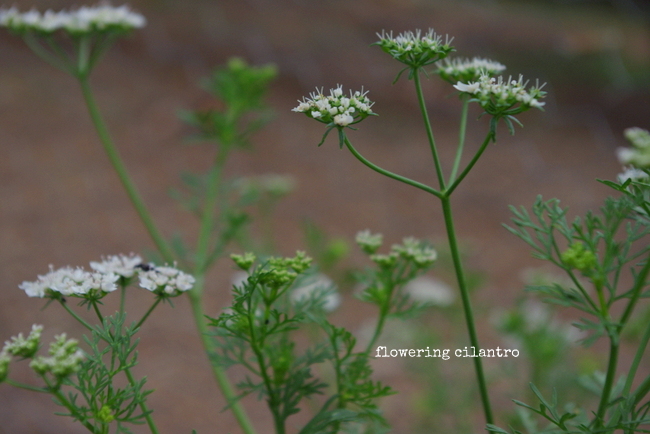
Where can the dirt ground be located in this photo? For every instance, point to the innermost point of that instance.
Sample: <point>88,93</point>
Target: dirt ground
<point>61,204</point>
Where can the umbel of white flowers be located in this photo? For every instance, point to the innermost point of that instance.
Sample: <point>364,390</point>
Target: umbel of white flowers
<point>336,108</point>
<point>85,19</point>
<point>639,154</point>
<point>77,282</point>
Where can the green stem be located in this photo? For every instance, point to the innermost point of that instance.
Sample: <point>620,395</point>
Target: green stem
<point>207,218</point>
<point>75,316</point>
<point>25,386</point>
<point>146,315</point>
<point>467,307</point>
<point>208,345</point>
<point>143,405</point>
<point>391,174</point>
<point>120,169</point>
<point>635,363</point>
<point>609,381</point>
<point>54,390</point>
<point>427,125</point>
<point>461,139</point>
<point>490,136</point>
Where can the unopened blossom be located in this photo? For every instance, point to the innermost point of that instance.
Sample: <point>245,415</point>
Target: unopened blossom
<point>68,281</point>
<point>336,109</point>
<point>468,70</point>
<point>65,358</point>
<point>5,359</point>
<point>416,251</point>
<point>20,346</point>
<point>368,241</point>
<point>501,97</point>
<point>415,49</point>
<point>121,265</point>
<point>101,18</point>
<point>166,281</point>
<point>639,154</point>
<point>320,288</point>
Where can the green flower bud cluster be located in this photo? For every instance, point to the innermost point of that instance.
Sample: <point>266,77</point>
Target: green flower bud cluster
<point>500,97</point>
<point>411,250</point>
<point>25,348</point>
<point>5,359</point>
<point>578,257</point>
<point>245,261</point>
<point>466,70</point>
<point>639,155</point>
<point>415,49</point>
<point>65,358</point>
<point>369,242</point>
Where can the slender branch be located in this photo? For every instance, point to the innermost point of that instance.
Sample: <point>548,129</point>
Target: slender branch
<point>222,380</point>
<point>207,218</point>
<point>142,405</point>
<point>467,307</point>
<point>146,315</point>
<point>609,381</point>
<point>75,316</point>
<point>427,125</point>
<point>391,174</point>
<point>490,136</point>
<point>25,386</point>
<point>461,139</point>
<point>122,173</point>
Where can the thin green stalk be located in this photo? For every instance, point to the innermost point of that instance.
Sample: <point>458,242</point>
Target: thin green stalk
<point>461,139</point>
<point>391,174</point>
<point>467,307</point>
<point>637,361</point>
<point>146,315</point>
<point>609,381</point>
<point>427,125</point>
<point>64,402</point>
<point>75,316</point>
<point>207,218</point>
<point>25,386</point>
<point>208,345</point>
<point>143,406</point>
<point>120,169</point>
<point>490,136</point>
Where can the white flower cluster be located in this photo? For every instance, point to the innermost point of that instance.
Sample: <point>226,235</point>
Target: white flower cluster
<point>498,96</point>
<point>122,265</point>
<point>24,347</point>
<point>639,155</point>
<point>166,280</point>
<point>415,49</point>
<point>466,70</point>
<point>86,19</point>
<point>336,108</point>
<point>65,358</point>
<point>70,281</point>
<point>77,282</point>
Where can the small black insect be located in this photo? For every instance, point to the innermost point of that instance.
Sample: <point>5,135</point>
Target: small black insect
<point>145,267</point>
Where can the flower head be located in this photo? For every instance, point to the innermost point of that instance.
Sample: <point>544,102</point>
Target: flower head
<point>68,281</point>
<point>369,242</point>
<point>500,97</point>
<point>639,154</point>
<point>101,18</point>
<point>65,358</point>
<point>415,49</point>
<point>466,70</point>
<point>336,109</point>
<point>122,265</point>
<point>166,281</point>
<point>25,348</point>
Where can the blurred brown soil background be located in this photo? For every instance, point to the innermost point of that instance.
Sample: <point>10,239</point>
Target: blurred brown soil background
<point>61,203</point>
